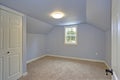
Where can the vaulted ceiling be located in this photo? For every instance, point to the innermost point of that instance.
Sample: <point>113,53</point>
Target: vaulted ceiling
<point>95,12</point>
<point>98,13</point>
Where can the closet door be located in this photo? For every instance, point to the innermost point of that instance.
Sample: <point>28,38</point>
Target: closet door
<point>13,44</point>
<point>1,68</point>
<point>1,50</point>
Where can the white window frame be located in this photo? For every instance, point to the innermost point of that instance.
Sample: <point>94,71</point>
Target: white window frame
<point>65,33</point>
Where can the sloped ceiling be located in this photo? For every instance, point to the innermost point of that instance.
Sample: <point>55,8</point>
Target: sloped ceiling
<point>37,27</point>
<point>98,13</point>
<point>95,12</point>
<point>74,9</point>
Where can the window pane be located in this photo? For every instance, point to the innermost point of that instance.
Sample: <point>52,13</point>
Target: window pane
<point>70,35</point>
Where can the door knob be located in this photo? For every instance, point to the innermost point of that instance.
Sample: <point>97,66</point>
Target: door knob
<point>8,52</point>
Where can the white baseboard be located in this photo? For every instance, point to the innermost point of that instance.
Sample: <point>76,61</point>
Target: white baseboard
<point>107,65</point>
<point>34,59</point>
<point>93,60</point>
<point>24,74</point>
<point>76,58</point>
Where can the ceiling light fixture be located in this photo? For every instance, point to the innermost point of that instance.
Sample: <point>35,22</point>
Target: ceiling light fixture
<point>57,15</point>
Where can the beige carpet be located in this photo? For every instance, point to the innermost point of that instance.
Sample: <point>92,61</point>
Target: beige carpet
<point>55,68</point>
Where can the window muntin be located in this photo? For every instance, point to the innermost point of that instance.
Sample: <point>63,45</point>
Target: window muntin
<point>71,35</point>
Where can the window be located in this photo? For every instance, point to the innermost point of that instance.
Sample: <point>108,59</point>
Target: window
<point>71,35</point>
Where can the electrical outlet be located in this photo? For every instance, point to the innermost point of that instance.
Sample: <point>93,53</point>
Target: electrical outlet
<point>96,53</point>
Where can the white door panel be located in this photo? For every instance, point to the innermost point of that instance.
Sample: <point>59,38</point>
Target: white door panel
<point>1,68</point>
<point>13,65</point>
<point>13,37</point>
<point>15,31</point>
<point>5,25</point>
<point>1,37</point>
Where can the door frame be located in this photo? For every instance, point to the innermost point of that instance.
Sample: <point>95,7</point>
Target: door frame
<point>115,38</point>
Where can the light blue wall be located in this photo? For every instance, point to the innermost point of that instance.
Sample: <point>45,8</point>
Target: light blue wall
<point>90,41</point>
<point>108,47</point>
<point>24,51</point>
<point>36,31</point>
<point>35,45</point>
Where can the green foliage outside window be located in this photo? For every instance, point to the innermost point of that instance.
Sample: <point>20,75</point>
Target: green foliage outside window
<point>70,36</point>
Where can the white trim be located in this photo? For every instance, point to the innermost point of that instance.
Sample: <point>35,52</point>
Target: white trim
<point>24,74</point>
<point>114,77</point>
<point>93,60</point>
<point>107,65</point>
<point>11,10</point>
<point>34,59</point>
<point>71,26</point>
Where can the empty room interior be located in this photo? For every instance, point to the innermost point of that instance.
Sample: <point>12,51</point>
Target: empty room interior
<point>59,40</point>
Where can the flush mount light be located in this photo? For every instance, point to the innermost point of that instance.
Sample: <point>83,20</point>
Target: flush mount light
<point>57,15</point>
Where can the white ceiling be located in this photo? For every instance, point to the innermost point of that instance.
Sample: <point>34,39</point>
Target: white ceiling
<point>74,9</point>
<point>98,13</point>
<point>37,27</point>
<point>95,12</point>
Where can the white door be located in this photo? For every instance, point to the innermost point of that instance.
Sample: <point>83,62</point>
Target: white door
<point>12,24</point>
<point>1,51</point>
<point>116,38</point>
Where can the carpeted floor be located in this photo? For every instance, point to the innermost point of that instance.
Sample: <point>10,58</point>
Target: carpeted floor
<point>55,68</point>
